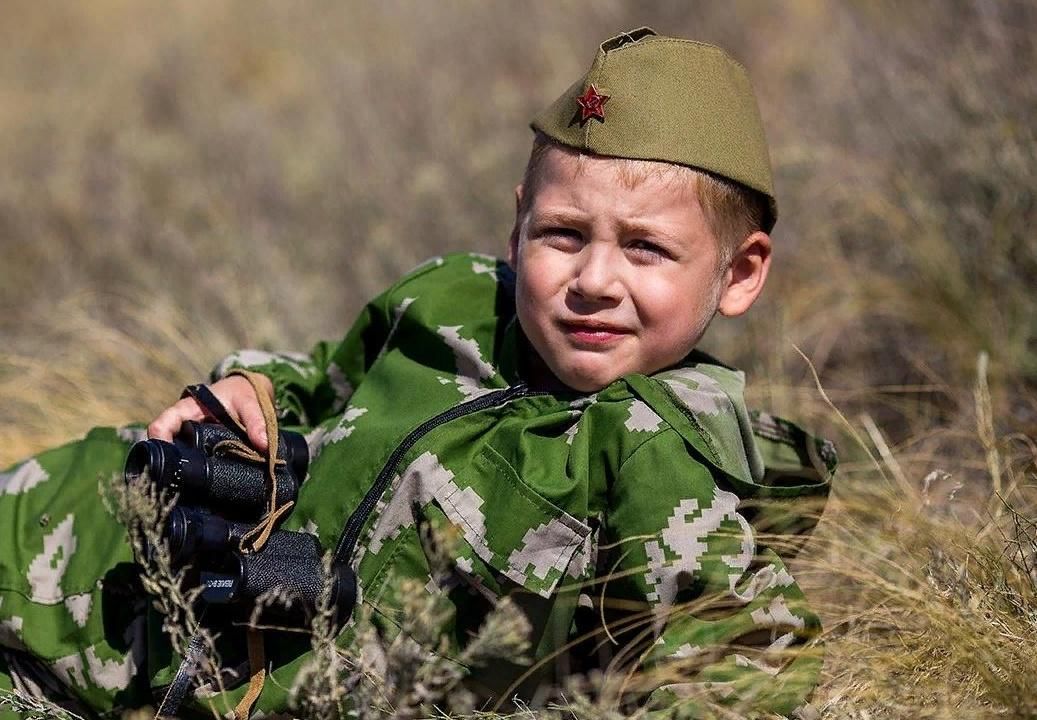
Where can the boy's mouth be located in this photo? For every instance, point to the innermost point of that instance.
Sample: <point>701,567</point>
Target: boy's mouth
<point>593,332</point>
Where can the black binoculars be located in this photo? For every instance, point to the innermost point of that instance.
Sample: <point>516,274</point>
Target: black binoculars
<point>221,498</point>
<point>193,467</point>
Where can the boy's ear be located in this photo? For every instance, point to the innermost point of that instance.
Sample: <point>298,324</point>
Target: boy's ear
<point>513,240</point>
<point>744,278</point>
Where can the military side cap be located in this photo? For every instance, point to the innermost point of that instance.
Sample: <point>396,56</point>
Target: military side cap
<point>649,97</point>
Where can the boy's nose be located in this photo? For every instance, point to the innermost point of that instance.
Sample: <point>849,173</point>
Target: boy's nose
<point>595,276</point>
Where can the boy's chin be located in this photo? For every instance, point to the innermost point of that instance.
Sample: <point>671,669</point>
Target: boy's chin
<point>587,380</point>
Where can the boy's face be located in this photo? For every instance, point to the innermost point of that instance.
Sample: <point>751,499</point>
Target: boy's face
<point>617,274</point>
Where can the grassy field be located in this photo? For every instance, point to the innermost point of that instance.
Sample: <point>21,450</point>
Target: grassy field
<point>184,179</point>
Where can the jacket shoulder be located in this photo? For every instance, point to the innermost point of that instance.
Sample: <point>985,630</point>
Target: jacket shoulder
<point>455,267</point>
<point>763,454</point>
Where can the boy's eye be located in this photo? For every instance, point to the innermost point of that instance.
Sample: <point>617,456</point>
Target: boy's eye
<point>562,237</point>
<point>648,249</point>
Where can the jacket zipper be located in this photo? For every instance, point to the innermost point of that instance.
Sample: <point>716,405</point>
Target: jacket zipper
<point>351,532</point>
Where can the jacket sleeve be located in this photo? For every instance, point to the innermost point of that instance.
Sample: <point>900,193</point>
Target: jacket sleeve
<point>311,387</point>
<point>725,622</point>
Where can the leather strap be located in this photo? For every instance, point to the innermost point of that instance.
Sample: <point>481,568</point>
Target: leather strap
<point>257,666</point>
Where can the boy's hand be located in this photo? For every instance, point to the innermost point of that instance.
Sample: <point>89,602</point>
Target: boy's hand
<point>237,396</point>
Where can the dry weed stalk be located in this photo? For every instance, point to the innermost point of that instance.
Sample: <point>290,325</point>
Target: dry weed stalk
<point>409,675</point>
<point>143,509</point>
<point>324,683</point>
<point>31,707</point>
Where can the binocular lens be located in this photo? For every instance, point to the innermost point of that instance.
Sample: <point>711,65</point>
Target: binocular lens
<point>146,455</point>
<point>169,466</point>
<point>191,532</point>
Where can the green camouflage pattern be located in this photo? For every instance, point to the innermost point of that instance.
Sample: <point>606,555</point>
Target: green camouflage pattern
<point>71,625</point>
<point>637,507</point>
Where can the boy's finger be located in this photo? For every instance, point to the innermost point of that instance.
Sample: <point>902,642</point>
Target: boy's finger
<point>250,415</point>
<point>169,420</point>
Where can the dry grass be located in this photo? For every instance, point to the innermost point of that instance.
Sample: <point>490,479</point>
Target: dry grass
<point>181,180</point>
<point>931,595</point>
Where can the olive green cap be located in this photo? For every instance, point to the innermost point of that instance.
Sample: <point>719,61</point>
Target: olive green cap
<point>650,97</point>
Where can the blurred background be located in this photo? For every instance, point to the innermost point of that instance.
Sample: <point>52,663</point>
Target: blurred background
<point>183,179</point>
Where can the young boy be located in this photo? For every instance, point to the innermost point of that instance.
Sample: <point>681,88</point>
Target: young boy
<point>552,408</point>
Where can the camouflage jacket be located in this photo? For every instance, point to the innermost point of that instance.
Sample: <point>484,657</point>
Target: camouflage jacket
<point>627,518</point>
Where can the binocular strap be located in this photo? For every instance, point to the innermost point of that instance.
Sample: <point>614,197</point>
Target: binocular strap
<point>177,690</point>
<point>256,666</point>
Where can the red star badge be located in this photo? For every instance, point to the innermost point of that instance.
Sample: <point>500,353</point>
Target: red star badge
<point>592,105</point>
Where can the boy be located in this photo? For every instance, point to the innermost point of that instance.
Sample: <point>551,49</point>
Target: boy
<point>598,470</point>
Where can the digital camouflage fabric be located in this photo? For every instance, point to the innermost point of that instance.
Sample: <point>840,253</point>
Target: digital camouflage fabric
<point>654,483</point>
